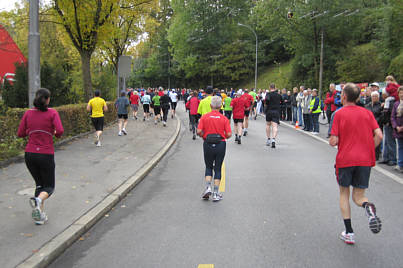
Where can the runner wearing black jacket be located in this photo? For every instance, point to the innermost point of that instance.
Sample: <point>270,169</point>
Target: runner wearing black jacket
<point>165,101</point>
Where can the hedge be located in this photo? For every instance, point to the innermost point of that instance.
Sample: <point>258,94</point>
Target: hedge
<point>75,120</point>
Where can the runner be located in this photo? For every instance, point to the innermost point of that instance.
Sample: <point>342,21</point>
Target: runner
<point>134,103</point>
<point>204,106</point>
<point>356,134</point>
<point>249,104</point>
<point>165,100</point>
<point>214,128</point>
<point>97,107</point>
<point>40,124</point>
<point>192,105</point>
<point>157,108</point>
<point>272,102</point>
<point>174,101</point>
<point>121,105</point>
<point>227,107</point>
<point>146,100</point>
<point>238,108</point>
<point>254,104</point>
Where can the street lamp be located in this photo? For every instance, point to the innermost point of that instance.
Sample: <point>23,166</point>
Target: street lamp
<point>34,77</point>
<point>250,28</point>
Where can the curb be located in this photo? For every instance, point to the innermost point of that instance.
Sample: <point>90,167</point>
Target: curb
<point>57,245</point>
<point>377,168</point>
<point>20,158</point>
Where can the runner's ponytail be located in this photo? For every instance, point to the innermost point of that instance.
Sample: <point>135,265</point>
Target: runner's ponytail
<point>41,99</point>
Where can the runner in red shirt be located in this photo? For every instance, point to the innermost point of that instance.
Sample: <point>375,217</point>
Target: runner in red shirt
<point>238,111</point>
<point>214,128</point>
<point>192,105</point>
<point>249,102</point>
<point>134,103</point>
<point>356,133</point>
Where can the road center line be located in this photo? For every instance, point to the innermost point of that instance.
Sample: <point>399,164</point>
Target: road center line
<point>222,183</point>
<point>205,266</point>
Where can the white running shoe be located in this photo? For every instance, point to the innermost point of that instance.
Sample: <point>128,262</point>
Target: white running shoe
<point>43,219</point>
<point>217,197</point>
<point>347,238</point>
<point>375,223</point>
<point>120,133</point>
<point>124,131</point>
<point>207,193</point>
<point>268,142</point>
<point>99,144</point>
<point>36,208</point>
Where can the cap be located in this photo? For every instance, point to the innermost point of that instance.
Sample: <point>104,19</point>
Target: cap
<point>374,84</point>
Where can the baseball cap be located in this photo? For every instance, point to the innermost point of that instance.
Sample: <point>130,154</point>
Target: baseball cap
<point>374,84</point>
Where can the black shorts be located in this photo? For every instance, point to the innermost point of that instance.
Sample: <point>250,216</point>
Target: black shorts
<point>247,113</point>
<point>236,121</point>
<point>273,116</point>
<point>123,116</point>
<point>173,105</point>
<point>157,110</point>
<point>357,177</point>
<point>98,123</point>
<point>146,108</point>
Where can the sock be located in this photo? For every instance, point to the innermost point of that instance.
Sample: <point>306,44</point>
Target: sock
<point>208,183</point>
<point>364,204</point>
<point>215,189</point>
<point>347,224</point>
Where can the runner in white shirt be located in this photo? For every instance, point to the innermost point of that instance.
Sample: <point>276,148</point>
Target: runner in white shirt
<point>174,98</point>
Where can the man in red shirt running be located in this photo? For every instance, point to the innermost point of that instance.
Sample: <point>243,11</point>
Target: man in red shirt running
<point>356,133</point>
<point>134,103</point>
<point>192,105</point>
<point>214,128</point>
<point>248,102</point>
<point>238,111</point>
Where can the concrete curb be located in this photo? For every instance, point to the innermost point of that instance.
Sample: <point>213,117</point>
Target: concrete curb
<point>57,245</point>
<point>377,168</point>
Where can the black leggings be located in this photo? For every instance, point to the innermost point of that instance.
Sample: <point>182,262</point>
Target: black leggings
<point>194,120</point>
<point>213,157</point>
<point>165,110</point>
<point>42,169</point>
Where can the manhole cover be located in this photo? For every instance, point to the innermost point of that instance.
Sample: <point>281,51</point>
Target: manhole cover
<point>28,191</point>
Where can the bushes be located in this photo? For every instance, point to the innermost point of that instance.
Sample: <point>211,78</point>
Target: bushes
<point>75,120</point>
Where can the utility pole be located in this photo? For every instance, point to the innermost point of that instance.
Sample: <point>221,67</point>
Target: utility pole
<point>34,67</point>
<point>250,28</point>
<point>321,64</point>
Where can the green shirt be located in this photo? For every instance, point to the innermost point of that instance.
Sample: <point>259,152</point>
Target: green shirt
<point>227,104</point>
<point>205,106</point>
<point>253,94</point>
<point>156,100</point>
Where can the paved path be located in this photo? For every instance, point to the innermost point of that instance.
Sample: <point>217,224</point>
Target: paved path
<point>280,209</point>
<point>85,175</point>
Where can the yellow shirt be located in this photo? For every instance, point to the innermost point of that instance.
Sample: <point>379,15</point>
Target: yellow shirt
<point>97,107</point>
<point>205,106</point>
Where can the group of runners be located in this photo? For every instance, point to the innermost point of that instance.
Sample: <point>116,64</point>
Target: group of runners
<point>354,131</point>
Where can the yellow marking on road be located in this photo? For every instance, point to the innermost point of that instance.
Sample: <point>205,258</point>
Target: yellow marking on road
<point>222,183</point>
<point>205,266</point>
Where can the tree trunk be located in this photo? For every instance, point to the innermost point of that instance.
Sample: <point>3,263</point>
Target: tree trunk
<point>86,72</point>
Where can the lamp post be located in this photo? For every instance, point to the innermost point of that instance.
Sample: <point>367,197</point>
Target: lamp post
<point>34,77</point>
<point>250,28</point>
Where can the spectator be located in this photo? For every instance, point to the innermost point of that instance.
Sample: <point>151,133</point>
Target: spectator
<point>376,108</point>
<point>294,107</point>
<point>288,107</point>
<point>389,145</point>
<point>397,124</point>
<point>392,86</point>
<point>329,101</point>
<point>305,110</point>
<point>284,101</point>
<point>315,110</point>
<point>300,99</point>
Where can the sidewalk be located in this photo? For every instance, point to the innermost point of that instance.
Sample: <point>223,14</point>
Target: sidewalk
<point>85,176</point>
<point>385,169</point>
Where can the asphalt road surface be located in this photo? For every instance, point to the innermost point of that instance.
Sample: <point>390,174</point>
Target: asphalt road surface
<point>280,209</point>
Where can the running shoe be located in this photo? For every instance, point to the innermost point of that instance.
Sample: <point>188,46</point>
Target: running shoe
<point>124,131</point>
<point>206,193</point>
<point>120,133</point>
<point>375,223</point>
<point>144,119</point>
<point>245,133</point>
<point>43,219</point>
<point>165,124</point>
<point>96,139</point>
<point>155,122</point>
<point>217,197</point>
<point>268,142</point>
<point>36,209</point>
<point>236,138</point>
<point>99,144</point>
<point>273,144</point>
<point>194,136</point>
<point>348,238</point>
<point>239,140</point>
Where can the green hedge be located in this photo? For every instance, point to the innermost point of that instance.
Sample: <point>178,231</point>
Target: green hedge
<point>75,120</point>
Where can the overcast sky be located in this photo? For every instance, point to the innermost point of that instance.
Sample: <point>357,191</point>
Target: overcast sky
<point>9,4</point>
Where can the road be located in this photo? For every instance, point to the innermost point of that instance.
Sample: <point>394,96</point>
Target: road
<point>280,209</point>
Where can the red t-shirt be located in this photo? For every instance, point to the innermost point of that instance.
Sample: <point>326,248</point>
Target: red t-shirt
<point>134,99</point>
<point>193,105</point>
<point>248,100</point>
<point>214,123</point>
<point>238,107</point>
<point>161,93</point>
<point>355,127</point>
